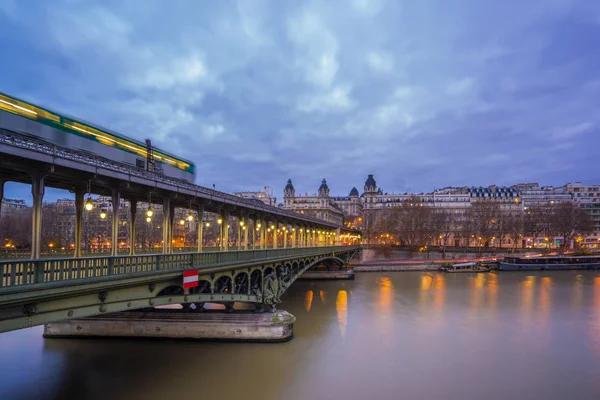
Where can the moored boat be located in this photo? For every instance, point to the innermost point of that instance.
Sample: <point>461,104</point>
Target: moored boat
<point>549,263</point>
<point>467,267</point>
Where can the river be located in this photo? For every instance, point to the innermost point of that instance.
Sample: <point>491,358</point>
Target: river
<point>409,335</point>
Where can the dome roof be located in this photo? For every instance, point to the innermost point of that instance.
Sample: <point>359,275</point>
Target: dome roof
<point>289,185</point>
<point>354,192</point>
<point>370,181</point>
<point>324,185</point>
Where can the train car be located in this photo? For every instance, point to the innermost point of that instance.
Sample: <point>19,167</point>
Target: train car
<point>20,116</point>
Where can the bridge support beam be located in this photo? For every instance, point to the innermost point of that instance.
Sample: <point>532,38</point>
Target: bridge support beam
<point>116,200</point>
<point>2,182</point>
<point>225,231</point>
<point>166,224</point>
<point>37,192</point>
<point>200,227</point>
<point>245,228</point>
<point>132,226</point>
<point>275,238</point>
<point>263,230</point>
<point>238,243</point>
<point>294,230</point>
<point>79,194</point>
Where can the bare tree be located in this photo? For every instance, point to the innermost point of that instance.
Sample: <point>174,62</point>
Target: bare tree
<point>482,218</point>
<point>443,224</point>
<point>569,220</point>
<point>514,228</point>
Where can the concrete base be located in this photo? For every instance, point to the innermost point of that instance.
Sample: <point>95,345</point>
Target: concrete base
<point>175,324</point>
<point>347,273</point>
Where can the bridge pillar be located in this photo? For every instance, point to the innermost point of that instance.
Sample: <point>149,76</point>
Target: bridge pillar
<point>263,230</point>
<point>79,194</point>
<point>338,232</point>
<point>200,227</point>
<point>294,230</point>
<point>132,226</point>
<point>37,192</point>
<point>284,234</point>
<point>275,238</point>
<point>225,231</point>
<point>116,200</point>
<point>2,182</point>
<point>166,223</point>
<point>171,221</point>
<point>245,229</point>
<point>254,234</point>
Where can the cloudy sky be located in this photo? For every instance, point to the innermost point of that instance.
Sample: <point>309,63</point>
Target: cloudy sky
<point>420,93</point>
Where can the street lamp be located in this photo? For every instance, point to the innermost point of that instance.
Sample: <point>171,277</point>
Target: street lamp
<point>148,219</point>
<point>103,214</point>
<point>208,224</point>
<point>149,213</point>
<point>190,217</point>
<point>88,204</point>
<point>220,221</point>
<point>182,222</point>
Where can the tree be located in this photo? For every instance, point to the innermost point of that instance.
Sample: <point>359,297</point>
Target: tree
<point>442,224</point>
<point>514,228</point>
<point>569,220</point>
<point>482,219</point>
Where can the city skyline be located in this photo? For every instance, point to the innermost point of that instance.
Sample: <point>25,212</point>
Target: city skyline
<point>20,191</point>
<point>495,94</point>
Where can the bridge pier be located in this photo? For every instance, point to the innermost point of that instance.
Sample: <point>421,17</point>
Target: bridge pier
<point>180,324</point>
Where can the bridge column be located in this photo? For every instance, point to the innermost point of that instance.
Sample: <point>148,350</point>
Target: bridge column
<point>245,229</point>
<point>132,226</point>
<point>239,234</point>
<point>294,244</point>
<point>284,234</point>
<point>37,192</point>
<point>254,233</point>
<point>166,223</point>
<point>225,231</point>
<point>116,199</point>
<point>200,227</point>
<point>275,238</point>
<point>2,182</point>
<point>171,222</point>
<point>79,194</point>
<point>263,234</point>
<point>338,232</point>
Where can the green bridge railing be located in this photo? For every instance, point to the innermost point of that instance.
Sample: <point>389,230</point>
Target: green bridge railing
<point>28,272</point>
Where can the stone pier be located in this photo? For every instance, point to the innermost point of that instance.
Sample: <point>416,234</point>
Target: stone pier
<point>342,274</point>
<point>179,324</point>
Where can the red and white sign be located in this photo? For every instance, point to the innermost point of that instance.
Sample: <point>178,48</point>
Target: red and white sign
<point>190,278</point>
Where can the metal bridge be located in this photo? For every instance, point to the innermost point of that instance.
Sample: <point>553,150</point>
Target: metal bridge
<point>27,159</point>
<point>34,292</point>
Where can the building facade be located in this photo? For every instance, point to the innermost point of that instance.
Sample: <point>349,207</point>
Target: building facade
<point>362,210</point>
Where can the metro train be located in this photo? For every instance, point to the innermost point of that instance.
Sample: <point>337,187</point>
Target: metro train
<point>20,116</point>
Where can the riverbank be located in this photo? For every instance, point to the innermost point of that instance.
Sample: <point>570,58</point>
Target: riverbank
<point>399,267</point>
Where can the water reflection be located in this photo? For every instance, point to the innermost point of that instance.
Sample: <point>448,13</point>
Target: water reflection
<point>526,300</point>
<point>386,292</point>
<point>322,296</point>
<point>492,289</point>
<point>595,321</point>
<point>341,308</point>
<point>308,300</point>
<point>544,302</point>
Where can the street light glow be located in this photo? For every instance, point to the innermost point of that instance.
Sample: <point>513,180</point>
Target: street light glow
<point>88,204</point>
<point>103,214</point>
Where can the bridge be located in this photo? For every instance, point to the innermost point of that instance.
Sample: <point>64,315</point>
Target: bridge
<point>35,291</point>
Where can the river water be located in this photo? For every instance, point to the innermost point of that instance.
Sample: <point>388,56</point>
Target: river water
<point>395,335</point>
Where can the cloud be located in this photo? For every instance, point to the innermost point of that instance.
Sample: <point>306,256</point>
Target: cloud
<point>380,62</point>
<point>421,94</point>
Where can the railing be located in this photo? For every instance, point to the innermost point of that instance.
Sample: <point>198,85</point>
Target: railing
<point>37,144</point>
<point>27,272</point>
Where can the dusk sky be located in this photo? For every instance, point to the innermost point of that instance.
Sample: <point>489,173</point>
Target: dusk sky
<point>421,93</point>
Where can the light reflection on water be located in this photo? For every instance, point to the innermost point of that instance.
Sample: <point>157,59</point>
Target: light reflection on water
<point>408,335</point>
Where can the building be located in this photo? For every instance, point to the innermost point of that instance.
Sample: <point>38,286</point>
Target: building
<point>588,198</point>
<point>362,210</point>
<point>266,196</point>
<point>9,205</point>
<point>319,205</point>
